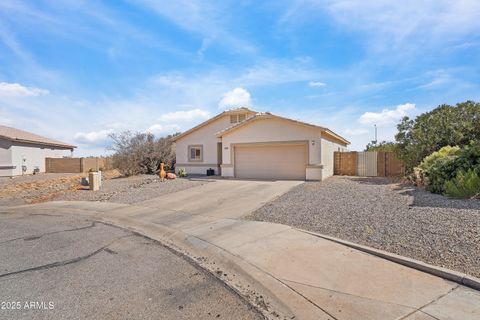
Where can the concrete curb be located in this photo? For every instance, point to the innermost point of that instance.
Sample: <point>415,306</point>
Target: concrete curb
<point>458,277</point>
<point>266,294</point>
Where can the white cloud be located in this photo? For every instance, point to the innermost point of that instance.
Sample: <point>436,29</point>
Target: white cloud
<point>15,89</point>
<point>96,138</point>
<point>397,26</point>
<point>439,78</point>
<point>402,18</point>
<point>185,115</point>
<point>386,116</point>
<point>238,97</point>
<point>316,84</point>
<point>160,129</point>
<point>277,71</point>
<point>207,18</point>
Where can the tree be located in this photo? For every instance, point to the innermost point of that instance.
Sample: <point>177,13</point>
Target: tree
<point>430,131</point>
<point>141,153</point>
<point>385,146</point>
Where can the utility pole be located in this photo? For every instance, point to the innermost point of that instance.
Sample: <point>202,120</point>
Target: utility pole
<point>375,125</point>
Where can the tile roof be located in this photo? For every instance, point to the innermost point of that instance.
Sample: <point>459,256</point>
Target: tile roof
<point>14,134</point>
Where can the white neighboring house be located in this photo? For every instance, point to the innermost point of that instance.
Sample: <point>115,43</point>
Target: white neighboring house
<point>22,152</point>
<point>242,143</point>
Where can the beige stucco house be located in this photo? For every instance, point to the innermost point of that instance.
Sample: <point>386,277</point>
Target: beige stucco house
<point>242,143</point>
<point>22,152</point>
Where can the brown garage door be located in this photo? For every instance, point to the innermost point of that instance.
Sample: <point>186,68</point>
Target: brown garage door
<point>270,161</point>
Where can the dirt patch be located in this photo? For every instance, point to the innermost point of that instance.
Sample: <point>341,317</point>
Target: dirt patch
<point>43,187</point>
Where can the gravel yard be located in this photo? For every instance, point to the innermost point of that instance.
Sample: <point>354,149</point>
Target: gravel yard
<point>131,189</point>
<point>390,216</point>
<point>65,186</point>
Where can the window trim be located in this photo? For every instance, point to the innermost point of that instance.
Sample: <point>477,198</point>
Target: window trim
<point>196,146</point>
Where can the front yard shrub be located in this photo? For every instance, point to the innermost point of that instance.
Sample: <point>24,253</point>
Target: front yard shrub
<point>182,172</point>
<point>431,173</point>
<point>443,170</point>
<point>453,165</point>
<point>464,185</point>
<point>429,161</point>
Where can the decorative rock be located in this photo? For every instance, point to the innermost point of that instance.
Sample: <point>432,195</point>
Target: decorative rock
<point>171,176</point>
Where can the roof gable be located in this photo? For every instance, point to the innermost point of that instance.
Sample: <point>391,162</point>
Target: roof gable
<point>211,120</point>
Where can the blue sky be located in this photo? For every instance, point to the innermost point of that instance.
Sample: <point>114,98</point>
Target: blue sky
<point>79,70</point>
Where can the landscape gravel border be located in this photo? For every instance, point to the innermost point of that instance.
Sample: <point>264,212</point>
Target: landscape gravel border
<point>386,215</point>
<point>447,274</point>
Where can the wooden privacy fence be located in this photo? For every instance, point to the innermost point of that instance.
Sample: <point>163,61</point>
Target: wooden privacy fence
<point>368,164</point>
<point>76,165</point>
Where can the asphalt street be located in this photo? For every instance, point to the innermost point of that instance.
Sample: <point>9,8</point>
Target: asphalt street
<point>69,267</point>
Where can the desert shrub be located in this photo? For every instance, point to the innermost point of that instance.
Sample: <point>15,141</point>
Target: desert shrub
<point>430,173</point>
<point>464,185</point>
<point>448,163</point>
<point>431,159</point>
<point>441,171</point>
<point>182,172</point>
<point>141,153</point>
<point>469,157</point>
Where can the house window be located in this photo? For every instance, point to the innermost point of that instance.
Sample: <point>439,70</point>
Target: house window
<point>234,118</point>
<point>195,153</point>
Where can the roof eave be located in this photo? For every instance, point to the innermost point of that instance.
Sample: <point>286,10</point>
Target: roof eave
<point>330,132</point>
<point>268,115</point>
<point>58,146</point>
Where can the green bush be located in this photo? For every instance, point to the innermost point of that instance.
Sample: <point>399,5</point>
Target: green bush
<point>430,160</point>
<point>445,164</point>
<point>431,171</point>
<point>464,185</point>
<point>182,172</point>
<point>442,170</point>
<point>469,157</point>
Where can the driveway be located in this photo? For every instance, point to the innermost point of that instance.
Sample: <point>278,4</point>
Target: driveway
<point>222,198</point>
<point>64,266</point>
